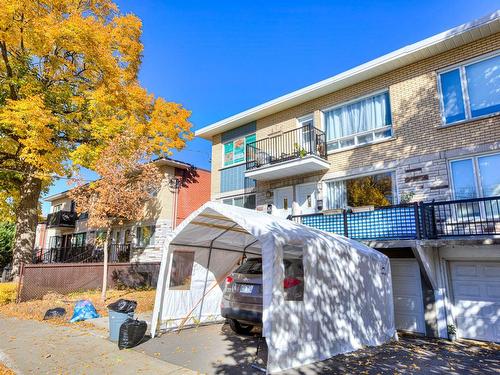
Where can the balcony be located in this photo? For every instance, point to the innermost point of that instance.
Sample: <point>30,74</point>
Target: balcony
<point>65,219</point>
<point>298,151</point>
<point>117,253</point>
<point>468,218</point>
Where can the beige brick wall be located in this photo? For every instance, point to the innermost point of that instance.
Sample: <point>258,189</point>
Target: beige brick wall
<point>162,207</point>
<point>415,111</point>
<point>416,117</point>
<point>216,165</point>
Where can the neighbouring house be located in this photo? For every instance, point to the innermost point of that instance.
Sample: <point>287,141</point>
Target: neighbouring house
<point>65,235</point>
<point>401,153</point>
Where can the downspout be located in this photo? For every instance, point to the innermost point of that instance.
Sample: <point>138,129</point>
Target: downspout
<point>177,187</point>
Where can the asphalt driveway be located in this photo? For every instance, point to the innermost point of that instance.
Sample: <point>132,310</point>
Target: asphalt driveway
<point>215,349</point>
<point>413,355</point>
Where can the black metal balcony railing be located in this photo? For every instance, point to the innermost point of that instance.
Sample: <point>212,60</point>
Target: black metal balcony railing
<point>82,254</point>
<point>432,220</point>
<point>61,219</point>
<point>293,144</point>
<point>465,217</point>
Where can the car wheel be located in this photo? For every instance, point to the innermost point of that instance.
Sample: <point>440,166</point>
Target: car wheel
<point>240,328</point>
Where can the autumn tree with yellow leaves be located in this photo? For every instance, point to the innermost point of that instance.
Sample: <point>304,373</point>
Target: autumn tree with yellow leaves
<point>68,88</point>
<point>126,185</point>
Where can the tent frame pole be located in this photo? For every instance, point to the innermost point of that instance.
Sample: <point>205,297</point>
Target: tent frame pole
<point>217,248</point>
<point>244,256</point>
<point>208,265</point>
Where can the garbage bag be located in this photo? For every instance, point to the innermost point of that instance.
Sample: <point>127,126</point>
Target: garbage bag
<point>123,306</point>
<point>131,333</point>
<point>84,310</point>
<point>54,313</point>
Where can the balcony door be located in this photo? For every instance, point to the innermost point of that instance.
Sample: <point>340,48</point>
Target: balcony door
<point>283,200</point>
<point>306,137</point>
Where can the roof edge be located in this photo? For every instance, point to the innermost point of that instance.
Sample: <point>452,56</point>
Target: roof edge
<point>323,87</point>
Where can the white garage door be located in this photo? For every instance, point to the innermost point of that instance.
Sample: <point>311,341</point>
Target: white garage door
<point>476,299</point>
<point>407,293</point>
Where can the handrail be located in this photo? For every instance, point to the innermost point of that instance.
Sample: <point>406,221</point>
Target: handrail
<point>82,254</point>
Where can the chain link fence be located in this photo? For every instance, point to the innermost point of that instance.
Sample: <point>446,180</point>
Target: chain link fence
<point>38,280</point>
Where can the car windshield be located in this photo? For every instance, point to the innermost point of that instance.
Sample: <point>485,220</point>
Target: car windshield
<point>251,266</point>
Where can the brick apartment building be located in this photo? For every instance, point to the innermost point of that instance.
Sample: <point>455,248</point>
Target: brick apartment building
<point>401,152</point>
<point>183,190</point>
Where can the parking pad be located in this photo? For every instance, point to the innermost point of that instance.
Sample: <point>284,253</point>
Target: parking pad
<point>210,349</point>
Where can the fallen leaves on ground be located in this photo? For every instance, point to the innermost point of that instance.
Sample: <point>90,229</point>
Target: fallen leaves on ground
<point>8,292</point>
<point>4,370</point>
<point>35,310</point>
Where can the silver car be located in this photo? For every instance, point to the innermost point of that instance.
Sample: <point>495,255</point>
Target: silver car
<point>242,298</point>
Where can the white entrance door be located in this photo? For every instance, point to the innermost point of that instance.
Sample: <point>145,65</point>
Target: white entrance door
<point>407,294</point>
<point>476,299</point>
<point>306,198</point>
<point>283,200</point>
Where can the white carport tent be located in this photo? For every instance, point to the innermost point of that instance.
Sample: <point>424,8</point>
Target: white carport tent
<point>347,300</point>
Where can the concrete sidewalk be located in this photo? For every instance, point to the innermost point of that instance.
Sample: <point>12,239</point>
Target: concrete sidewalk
<point>31,347</point>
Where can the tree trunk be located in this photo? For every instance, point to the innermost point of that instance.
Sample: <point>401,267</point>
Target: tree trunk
<point>26,222</point>
<point>107,241</point>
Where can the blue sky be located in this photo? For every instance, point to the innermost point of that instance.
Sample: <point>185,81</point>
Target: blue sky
<point>218,58</point>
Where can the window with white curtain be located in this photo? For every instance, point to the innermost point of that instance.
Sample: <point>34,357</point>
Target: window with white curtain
<point>470,90</point>
<point>356,123</point>
<point>373,190</point>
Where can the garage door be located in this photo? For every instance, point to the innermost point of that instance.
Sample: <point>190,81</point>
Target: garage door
<point>407,294</point>
<point>476,299</point>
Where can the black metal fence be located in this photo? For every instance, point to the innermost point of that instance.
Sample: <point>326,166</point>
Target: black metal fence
<point>82,254</point>
<point>466,217</point>
<point>293,144</point>
<point>432,220</point>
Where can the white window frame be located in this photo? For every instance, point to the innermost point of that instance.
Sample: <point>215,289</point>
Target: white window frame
<point>232,198</point>
<point>395,196</point>
<point>301,120</point>
<point>141,238</point>
<point>223,166</point>
<point>465,92</point>
<point>476,171</point>
<point>356,135</point>
<point>57,208</point>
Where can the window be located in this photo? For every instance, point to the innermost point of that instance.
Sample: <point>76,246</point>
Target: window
<point>55,241</point>
<point>476,177</point>
<point>293,283</point>
<point>470,90</point>
<point>57,208</point>
<point>79,239</point>
<point>234,151</point>
<point>359,122</point>
<point>182,268</point>
<point>373,190</point>
<point>246,201</point>
<point>146,236</point>
<point>252,266</point>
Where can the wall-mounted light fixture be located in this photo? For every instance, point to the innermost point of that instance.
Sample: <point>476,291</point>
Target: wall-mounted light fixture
<point>319,204</point>
<point>269,209</point>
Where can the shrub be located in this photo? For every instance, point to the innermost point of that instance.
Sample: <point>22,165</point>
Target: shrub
<point>7,231</point>
<point>8,292</point>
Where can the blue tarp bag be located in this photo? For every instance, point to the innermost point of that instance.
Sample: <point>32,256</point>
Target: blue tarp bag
<point>84,310</point>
